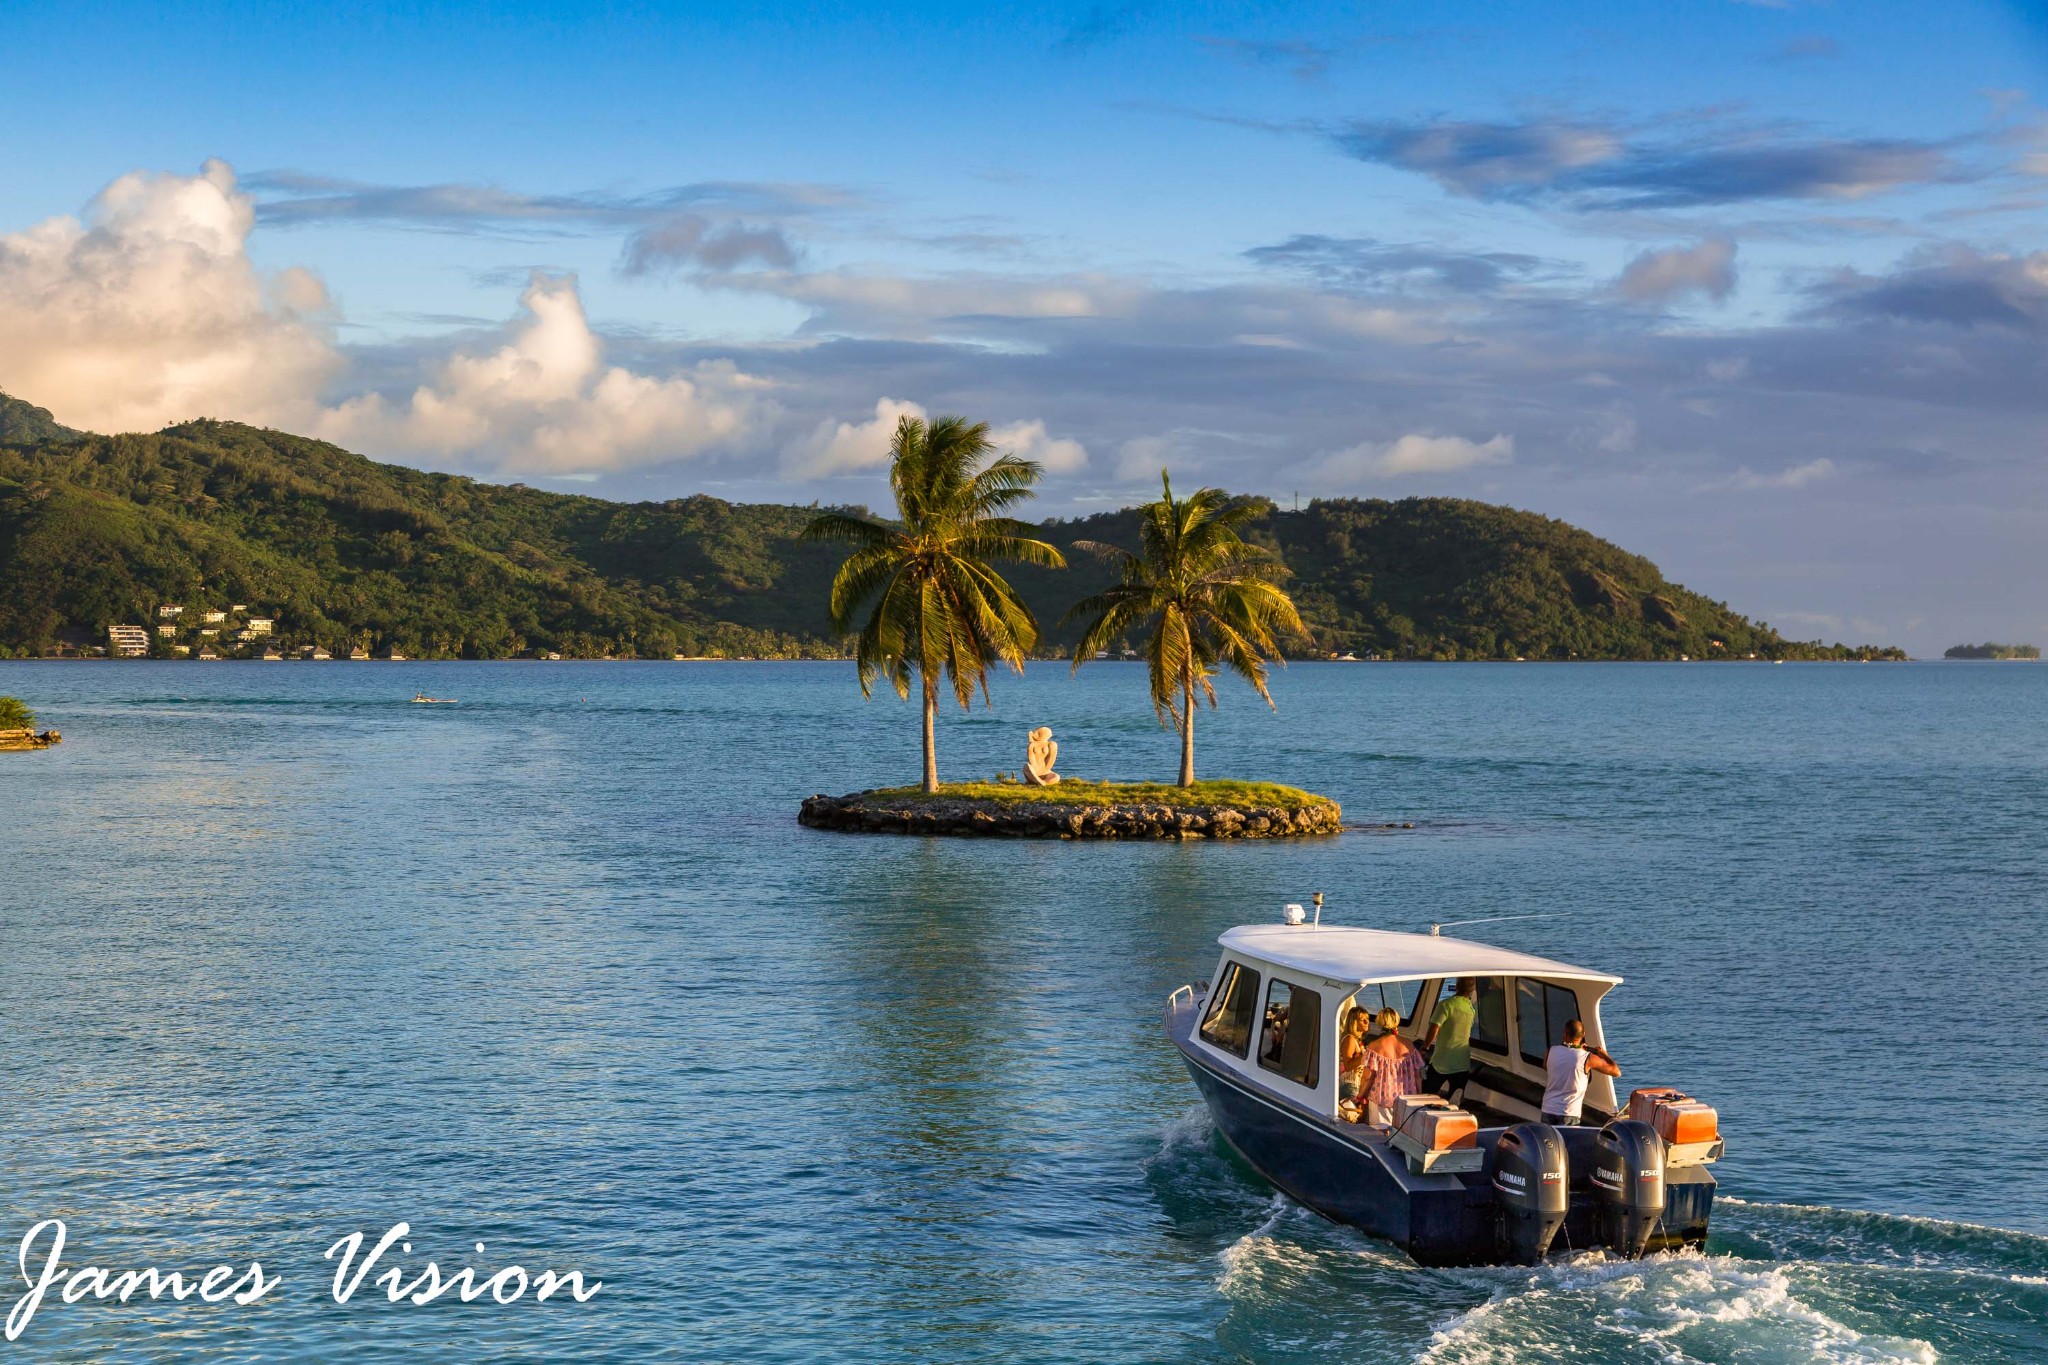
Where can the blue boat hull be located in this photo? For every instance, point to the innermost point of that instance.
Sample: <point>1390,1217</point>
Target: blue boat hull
<point>1440,1220</point>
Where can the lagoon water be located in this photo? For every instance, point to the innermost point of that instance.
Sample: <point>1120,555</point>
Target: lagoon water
<point>554,969</point>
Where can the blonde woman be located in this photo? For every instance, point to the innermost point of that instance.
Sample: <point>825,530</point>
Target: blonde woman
<point>1388,1069</point>
<point>1351,1056</point>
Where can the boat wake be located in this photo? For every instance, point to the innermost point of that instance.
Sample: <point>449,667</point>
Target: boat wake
<point>1779,1282</point>
<point>1677,1308</point>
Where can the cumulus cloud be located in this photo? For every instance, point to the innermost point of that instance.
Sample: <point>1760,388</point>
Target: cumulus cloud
<point>1706,269</point>
<point>1028,440</point>
<point>148,311</point>
<point>834,447</point>
<point>849,447</point>
<point>1593,166</point>
<point>545,401</point>
<point>1415,453</point>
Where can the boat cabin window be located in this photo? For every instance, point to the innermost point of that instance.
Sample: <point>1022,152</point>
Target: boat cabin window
<point>1291,1035</point>
<point>1398,996</point>
<point>1541,1012</point>
<point>1228,1024</point>
<point>1490,1021</point>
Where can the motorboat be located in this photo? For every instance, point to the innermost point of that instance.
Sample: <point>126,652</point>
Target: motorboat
<point>1472,1178</point>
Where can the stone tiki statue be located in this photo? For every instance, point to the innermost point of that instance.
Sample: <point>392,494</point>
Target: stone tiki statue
<point>1039,756</point>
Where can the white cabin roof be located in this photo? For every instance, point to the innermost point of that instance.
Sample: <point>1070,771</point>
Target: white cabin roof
<point>1362,955</point>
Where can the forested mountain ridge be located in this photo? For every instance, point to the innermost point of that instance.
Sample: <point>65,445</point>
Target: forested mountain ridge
<point>22,423</point>
<point>345,552</point>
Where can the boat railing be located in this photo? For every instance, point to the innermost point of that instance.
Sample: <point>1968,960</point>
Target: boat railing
<point>1175,995</point>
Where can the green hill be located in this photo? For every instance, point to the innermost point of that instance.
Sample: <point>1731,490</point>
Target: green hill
<point>345,552</point>
<point>25,423</point>
<point>1988,650</point>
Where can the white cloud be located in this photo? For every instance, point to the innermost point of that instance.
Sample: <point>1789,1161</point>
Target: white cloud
<point>1707,268</point>
<point>149,311</point>
<point>1415,453</point>
<point>1746,480</point>
<point>545,402</point>
<point>849,447</point>
<point>1029,440</point>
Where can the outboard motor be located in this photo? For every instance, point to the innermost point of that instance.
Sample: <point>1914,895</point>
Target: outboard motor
<point>1530,1185</point>
<point>1628,1185</point>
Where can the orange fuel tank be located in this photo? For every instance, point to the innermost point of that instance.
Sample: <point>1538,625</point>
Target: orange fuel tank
<point>1682,1121</point>
<point>1642,1104</point>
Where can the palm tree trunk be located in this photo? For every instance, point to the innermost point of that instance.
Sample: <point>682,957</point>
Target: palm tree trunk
<point>1187,729</point>
<point>931,752</point>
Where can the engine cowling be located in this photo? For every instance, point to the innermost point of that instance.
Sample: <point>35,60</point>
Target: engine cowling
<point>1628,1185</point>
<point>1532,1188</point>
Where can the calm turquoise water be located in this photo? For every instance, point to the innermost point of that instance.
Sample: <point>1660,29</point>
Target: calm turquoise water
<point>555,969</point>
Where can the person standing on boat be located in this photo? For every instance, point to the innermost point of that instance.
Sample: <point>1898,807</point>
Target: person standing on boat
<point>1390,1069</point>
<point>1567,1066</point>
<point>1449,1041</point>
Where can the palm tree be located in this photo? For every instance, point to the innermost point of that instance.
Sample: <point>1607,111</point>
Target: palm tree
<point>1205,596</point>
<point>937,605</point>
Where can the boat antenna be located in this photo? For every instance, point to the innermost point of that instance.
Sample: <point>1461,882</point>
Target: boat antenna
<point>1436,930</point>
<point>1318,899</point>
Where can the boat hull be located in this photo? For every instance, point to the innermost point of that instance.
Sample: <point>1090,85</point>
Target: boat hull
<point>1441,1220</point>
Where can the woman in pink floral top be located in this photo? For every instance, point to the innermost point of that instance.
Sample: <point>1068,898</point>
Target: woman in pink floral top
<point>1390,1068</point>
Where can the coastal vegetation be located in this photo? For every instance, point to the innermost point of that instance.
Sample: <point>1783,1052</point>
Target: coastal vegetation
<point>1210,793</point>
<point>1083,810</point>
<point>15,714</point>
<point>348,553</point>
<point>1197,596</point>
<point>935,603</point>
<point>1991,651</point>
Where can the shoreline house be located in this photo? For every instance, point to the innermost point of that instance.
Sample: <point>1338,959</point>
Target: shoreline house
<point>358,652</point>
<point>128,642</point>
<point>391,652</point>
<point>169,610</point>
<point>260,625</point>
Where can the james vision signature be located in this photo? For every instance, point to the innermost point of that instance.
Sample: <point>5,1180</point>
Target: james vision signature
<point>44,1272</point>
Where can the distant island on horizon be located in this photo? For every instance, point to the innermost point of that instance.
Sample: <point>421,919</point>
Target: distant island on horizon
<point>344,555</point>
<point>1991,651</point>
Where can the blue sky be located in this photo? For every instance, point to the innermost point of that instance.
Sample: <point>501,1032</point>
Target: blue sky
<point>1758,290</point>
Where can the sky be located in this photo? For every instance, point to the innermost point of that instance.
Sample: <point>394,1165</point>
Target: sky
<point>1758,290</point>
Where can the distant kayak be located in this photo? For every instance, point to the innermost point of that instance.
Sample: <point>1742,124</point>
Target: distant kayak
<point>422,699</point>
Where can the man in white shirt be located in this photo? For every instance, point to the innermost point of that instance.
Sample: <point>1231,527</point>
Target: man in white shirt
<point>1567,1066</point>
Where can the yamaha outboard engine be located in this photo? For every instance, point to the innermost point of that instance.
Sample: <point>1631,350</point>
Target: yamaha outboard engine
<point>1628,1185</point>
<point>1530,1185</point>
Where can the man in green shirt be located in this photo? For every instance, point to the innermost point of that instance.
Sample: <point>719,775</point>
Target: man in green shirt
<point>1449,1041</point>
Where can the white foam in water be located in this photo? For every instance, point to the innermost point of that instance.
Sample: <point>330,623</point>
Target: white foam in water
<point>1245,1259</point>
<point>1187,1133</point>
<point>1677,1308</point>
